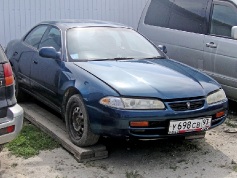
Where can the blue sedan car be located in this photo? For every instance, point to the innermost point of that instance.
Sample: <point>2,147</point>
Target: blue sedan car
<point>108,80</point>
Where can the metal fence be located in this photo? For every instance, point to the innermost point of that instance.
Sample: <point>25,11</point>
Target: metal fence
<point>18,16</point>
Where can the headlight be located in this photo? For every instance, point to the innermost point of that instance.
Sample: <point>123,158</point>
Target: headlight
<point>216,97</point>
<point>131,103</point>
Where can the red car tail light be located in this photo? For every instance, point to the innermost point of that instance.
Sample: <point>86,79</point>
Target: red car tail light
<point>8,75</point>
<point>10,129</point>
<point>7,130</point>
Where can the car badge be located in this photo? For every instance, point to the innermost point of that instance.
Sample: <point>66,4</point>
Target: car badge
<point>188,105</point>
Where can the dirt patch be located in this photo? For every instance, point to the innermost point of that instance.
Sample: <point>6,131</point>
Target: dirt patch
<point>215,156</point>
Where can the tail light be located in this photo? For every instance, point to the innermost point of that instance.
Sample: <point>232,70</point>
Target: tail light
<point>7,130</point>
<point>8,75</point>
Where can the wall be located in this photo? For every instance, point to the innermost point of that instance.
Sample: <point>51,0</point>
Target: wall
<point>18,16</point>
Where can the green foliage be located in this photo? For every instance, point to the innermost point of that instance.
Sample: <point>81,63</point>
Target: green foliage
<point>235,168</point>
<point>231,124</point>
<point>30,142</point>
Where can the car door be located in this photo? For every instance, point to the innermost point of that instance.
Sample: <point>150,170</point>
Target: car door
<point>220,54</point>
<point>45,72</point>
<point>23,54</point>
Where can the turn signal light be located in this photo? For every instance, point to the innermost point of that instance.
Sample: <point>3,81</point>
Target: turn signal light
<point>220,114</point>
<point>8,75</point>
<point>139,124</point>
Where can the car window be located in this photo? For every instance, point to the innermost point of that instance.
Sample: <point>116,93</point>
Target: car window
<point>188,15</point>
<point>52,39</point>
<point>3,57</point>
<point>223,19</point>
<point>185,15</point>
<point>35,36</point>
<point>158,13</point>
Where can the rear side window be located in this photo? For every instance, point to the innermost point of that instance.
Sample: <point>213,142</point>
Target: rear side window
<point>185,15</point>
<point>223,19</point>
<point>3,57</point>
<point>35,36</point>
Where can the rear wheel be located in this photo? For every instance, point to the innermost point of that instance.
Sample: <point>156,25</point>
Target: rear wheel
<point>78,124</point>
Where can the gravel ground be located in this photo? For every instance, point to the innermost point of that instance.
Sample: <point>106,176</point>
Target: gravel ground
<point>212,157</point>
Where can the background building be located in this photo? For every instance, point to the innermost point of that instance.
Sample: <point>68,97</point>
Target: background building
<point>18,16</point>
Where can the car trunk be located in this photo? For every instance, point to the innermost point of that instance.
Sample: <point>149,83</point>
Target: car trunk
<point>7,88</point>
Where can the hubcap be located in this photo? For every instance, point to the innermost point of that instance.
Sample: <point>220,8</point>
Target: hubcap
<point>78,121</point>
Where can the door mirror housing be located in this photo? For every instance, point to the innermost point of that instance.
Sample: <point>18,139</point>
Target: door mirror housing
<point>49,52</point>
<point>234,32</point>
<point>163,48</point>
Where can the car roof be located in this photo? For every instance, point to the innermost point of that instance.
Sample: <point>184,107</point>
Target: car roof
<point>72,23</point>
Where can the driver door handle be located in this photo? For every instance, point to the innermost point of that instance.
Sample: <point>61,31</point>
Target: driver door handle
<point>211,45</point>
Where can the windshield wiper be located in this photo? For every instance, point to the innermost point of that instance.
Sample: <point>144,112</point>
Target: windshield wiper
<point>155,57</point>
<point>116,58</point>
<point>122,58</point>
<point>126,58</point>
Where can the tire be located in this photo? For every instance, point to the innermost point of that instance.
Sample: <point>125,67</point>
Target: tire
<point>20,95</point>
<point>78,124</point>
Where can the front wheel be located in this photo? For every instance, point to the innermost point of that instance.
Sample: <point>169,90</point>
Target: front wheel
<point>78,124</point>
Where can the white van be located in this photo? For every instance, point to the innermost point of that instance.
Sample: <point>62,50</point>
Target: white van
<point>200,33</point>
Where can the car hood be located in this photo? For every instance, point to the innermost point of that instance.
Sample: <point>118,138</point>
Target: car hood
<point>158,78</point>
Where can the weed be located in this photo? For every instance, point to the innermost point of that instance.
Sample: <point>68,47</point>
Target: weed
<point>173,167</point>
<point>222,166</point>
<point>133,174</point>
<point>181,161</point>
<point>111,171</point>
<point>14,165</point>
<point>235,168</point>
<point>93,164</point>
<point>231,124</point>
<point>30,142</point>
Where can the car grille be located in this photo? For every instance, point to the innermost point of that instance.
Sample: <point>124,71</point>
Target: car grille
<point>187,105</point>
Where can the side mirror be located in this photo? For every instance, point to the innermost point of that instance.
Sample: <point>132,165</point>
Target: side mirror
<point>162,48</point>
<point>49,52</point>
<point>234,32</point>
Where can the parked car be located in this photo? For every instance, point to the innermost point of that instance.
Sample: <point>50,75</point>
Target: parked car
<point>199,33</point>
<point>11,114</point>
<point>108,80</point>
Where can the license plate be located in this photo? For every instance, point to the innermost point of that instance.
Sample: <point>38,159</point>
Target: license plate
<point>193,125</point>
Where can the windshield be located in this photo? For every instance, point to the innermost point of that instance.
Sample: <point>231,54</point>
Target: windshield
<point>101,43</point>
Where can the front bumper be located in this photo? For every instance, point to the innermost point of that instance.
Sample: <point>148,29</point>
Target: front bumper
<point>115,122</point>
<point>14,118</point>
